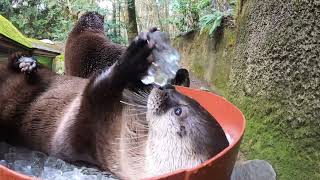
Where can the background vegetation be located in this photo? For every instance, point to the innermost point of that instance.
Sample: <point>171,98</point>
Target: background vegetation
<point>261,55</point>
<point>53,19</point>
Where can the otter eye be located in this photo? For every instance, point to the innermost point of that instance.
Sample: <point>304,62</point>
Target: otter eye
<point>178,111</point>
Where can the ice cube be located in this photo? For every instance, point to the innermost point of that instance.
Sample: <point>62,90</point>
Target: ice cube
<point>90,171</point>
<point>147,79</point>
<point>38,155</point>
<point>3,163</point>
<point>58,164</point>
<point>166,61</point>
<point>22,166</point>
<point>90,177</point>
<point>50,173</point>
<point>74,175</point>
<point>10,158</point>
<point>37,166</point>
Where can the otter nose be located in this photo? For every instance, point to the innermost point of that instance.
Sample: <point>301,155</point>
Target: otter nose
<point>167,86</point>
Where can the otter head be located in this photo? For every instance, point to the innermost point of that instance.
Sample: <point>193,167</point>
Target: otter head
<point>182,134</point>
<point>90,20</point>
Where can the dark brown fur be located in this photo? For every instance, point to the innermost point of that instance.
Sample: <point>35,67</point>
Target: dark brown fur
<point>32,111</point>
<point>84,120</point>
<point>87,49</point>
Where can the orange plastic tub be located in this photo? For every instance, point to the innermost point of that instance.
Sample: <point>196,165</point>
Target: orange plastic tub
<point>218,167</point>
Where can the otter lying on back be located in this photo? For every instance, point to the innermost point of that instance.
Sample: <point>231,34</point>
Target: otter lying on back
<point>132,134</point>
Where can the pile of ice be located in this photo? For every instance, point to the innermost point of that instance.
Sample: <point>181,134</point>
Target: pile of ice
<point>37,164</point>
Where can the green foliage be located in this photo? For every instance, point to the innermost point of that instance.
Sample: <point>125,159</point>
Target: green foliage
<point>115,36</point>
<point>187,14</point>
<point>45,61</point>
<point>34,18</point>
<point>50,19</point>
<point>58,64</point>
<point>211,22</point>
<point>201,14</point>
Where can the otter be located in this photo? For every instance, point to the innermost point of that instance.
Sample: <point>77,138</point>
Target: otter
<point>87,48</point>
<point>89,51</point>
<point>134,134</point>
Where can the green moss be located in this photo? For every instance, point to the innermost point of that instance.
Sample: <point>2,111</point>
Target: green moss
<point>264,140</point>
<point>58,64</point>
<point>10,31</point>
<point>198,69</point>
<point>45,61</point>
<point>59,58</point>
<point>267,136</point>
<point>7,29</point>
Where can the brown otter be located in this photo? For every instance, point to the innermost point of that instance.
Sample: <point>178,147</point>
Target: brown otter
<point>132,134</point>
<point>88,50</point>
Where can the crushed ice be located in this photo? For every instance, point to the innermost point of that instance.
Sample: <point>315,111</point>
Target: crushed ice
<point>38,164</point>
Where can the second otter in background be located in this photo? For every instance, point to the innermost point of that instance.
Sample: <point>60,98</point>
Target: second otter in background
<point>88,50</point>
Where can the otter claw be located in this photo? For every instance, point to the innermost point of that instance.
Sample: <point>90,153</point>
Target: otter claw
<point>27,64</point>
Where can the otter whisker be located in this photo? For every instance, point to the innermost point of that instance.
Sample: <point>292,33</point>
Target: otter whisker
<point>142,98</point>
<point>141,126</point>
<point>134,131</point>
<point>137,109</point>
<point>131,138</point>
<point>132,148</point>
<point>142,95</point>
<point>129,143</point>
<point>129,115</point>
<point>135,137</point>
<point>141,123</point>
<point>134,105</point>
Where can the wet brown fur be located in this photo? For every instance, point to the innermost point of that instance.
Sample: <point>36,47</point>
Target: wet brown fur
<point>83,119</point>
<point>32,110</point>
<point>87,49</point>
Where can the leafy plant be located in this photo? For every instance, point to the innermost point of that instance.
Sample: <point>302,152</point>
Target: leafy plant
<point>49,19</point>
<point>211,22</point>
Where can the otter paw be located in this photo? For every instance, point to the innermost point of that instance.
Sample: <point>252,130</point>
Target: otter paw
<point>138,57</point>
<point>27,64</point>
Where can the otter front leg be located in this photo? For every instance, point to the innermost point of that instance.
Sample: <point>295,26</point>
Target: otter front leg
<point>132,65</point>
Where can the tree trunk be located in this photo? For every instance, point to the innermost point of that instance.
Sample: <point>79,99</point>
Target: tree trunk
<point>157,13</point>
<point>119,18</point>
<point>114,20</point>
<point>166,15</point>
<point>132,24</point>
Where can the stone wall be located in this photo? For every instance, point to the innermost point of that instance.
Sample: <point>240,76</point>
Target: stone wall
<point>208,58</point>
<point>273,54</point>
<point>278,57</point>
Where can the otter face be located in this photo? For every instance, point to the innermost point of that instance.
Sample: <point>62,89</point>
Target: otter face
<point>182,134</point>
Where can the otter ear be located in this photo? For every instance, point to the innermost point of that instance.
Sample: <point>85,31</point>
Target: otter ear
<point>182,78</point>
<point>101,17</point>
<point>154,29</point>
